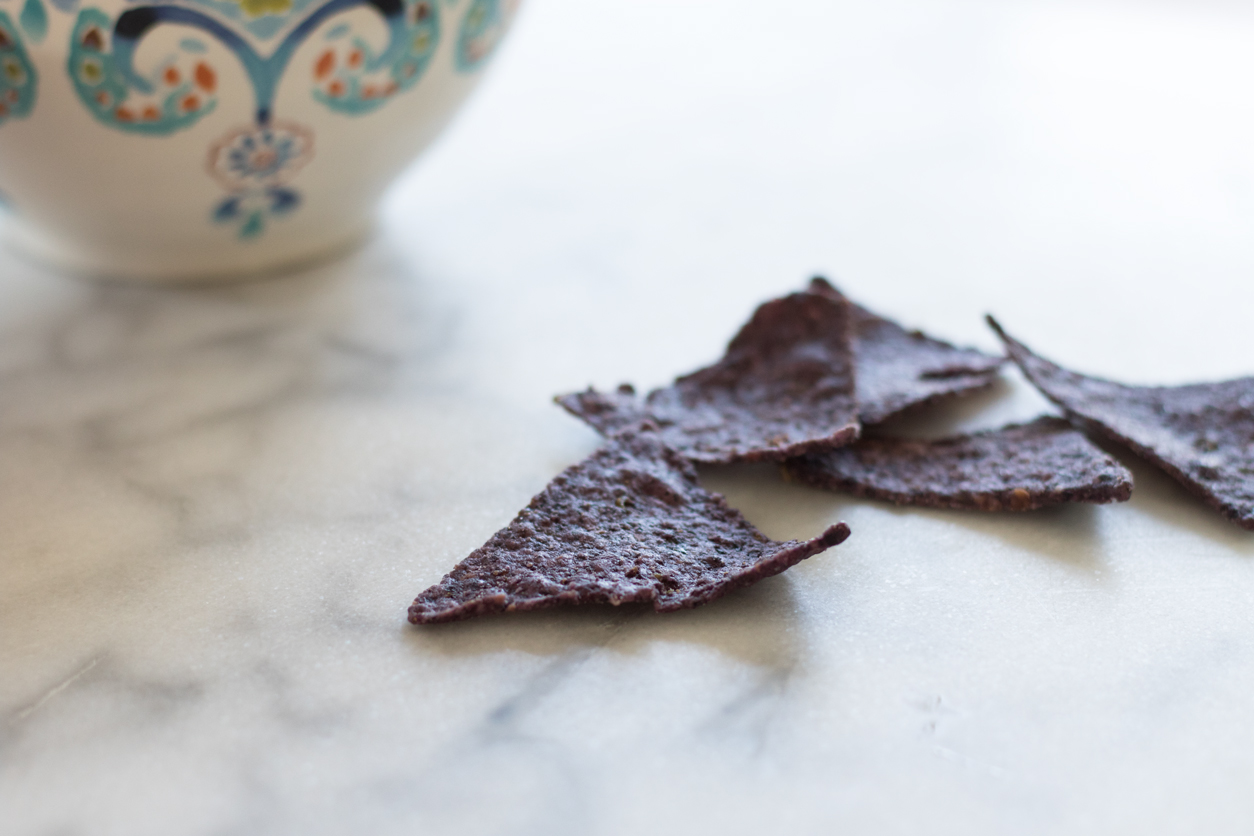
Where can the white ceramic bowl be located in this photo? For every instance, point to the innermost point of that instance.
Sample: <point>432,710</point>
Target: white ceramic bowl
<point>186,139</point>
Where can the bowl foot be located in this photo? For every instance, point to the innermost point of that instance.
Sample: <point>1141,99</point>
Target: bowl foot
<point>228,265</point>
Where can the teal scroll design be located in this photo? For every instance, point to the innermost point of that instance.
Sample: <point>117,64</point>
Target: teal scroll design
<point>177,94</point>
<point>350,78</point>
<point>253,163</point>
<point>181,91</point>
<point>18,79</point>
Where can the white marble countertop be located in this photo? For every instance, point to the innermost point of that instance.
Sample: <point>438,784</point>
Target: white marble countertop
<point>215,505</point>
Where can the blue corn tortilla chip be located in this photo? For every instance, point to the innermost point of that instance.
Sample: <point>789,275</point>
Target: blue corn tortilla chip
<point>714,417</point>
<point>898,369</point>
<point>785,387</point>
<point>1201,434</point>
<point>1016,468</point>
<point>630,524</point>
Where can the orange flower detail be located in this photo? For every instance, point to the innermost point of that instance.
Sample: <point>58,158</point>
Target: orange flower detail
<point>172,76</point>
<point>326,63</point>
<point>336,88</point>
<point>191,103</point>
<point>354,58</point>
<point>123,114</point>
<point>151,113</point>
<point>206,78</point>
<point>104,98</point>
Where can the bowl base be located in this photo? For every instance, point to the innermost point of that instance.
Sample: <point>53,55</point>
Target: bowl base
<point>148,268</point>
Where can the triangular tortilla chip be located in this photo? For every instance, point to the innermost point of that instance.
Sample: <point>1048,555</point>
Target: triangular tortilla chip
<point>1202,434</point>
<point>785,387</point>
<point>629,524</point>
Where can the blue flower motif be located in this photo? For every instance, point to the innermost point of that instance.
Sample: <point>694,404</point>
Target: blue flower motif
<point>261,157</point>
<point>254,164</point>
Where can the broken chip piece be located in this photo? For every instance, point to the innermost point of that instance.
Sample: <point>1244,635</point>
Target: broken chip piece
<point>1201,434</point>
<point>629,524</point>
<point>1016,468</point>
<point>898,369</point>
<point>784,388</point>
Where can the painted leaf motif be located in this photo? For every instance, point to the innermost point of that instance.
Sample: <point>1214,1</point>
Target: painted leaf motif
<point>248,211</point>
<point>34,20</point>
